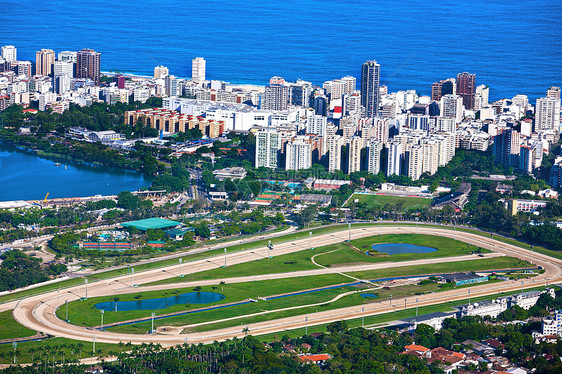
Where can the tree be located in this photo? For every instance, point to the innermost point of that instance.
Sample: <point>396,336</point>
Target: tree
<point>127,200</point>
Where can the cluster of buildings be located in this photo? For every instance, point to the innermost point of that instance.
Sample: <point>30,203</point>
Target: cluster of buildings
<point>297,124</point>
<point>55,80</point>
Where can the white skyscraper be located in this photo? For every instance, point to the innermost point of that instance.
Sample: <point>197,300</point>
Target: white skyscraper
<point>547,114</point>
<point>482,96</point>
<point>63,68</point>
<point>355,144</point>
<point>414,156</point>
<point>394,158</point>
<point>160,72</point>
<point>316,125</point>
<point>298,155</point>
<point>335,144</point>
<point>198,65</point>
<point>268,144</point>
<point>9,53</point>
<point>350,84</point>
<point>451,107</point>
<point>374,149</point>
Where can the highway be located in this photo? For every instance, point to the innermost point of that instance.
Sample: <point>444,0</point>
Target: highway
<point>37,312</point>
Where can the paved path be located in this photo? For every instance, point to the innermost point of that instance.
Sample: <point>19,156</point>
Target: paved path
<point>37,312</point>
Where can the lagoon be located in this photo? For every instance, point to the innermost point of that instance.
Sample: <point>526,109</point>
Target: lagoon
<point>25,176</point>
<point>161,302</point>
<point>400,248</point>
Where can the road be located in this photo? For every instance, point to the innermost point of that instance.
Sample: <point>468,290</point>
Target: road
<point>37,312</point>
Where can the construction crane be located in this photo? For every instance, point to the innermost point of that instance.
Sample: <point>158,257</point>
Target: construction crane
<point>46,196</point>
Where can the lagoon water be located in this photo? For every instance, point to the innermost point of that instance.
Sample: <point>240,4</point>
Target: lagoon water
<point>160,303</point>
<point>24,176</point>
<point>515,47</point>
<point>400,248</point>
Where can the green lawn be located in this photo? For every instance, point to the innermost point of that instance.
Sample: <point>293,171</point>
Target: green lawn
<point>9,328</point>
<point>496,263</point>
<point>326,256</point>
<point>379,201</point>
<point>84,313</point>
<point>381,319</point>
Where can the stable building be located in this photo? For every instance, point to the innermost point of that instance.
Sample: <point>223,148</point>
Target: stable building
<point>461,279</point>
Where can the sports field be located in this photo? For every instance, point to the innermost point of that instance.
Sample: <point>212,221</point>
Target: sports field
<point>379,201</point>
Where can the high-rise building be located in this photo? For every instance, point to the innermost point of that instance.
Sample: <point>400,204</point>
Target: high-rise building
<point>350,84</point>
<point>44,60</point>
<point>370,82</point>
<point>9,53</point>
<point>356,145</point>
<point>316,124</point>
<point>171,85</point>
<point>374,150</point>
<point>320,105</point>
<point>63,68</point>
<point>335,144</point>
<point>451,107</point>
<point>394,165</point>
<point>351,104</point>
<point>268,144</point>
<point>299,93</point>
<point>61,83</point>
<point>466,88</point>
<point>24,68</point>
<point>547,114</point>
<point>160,72</point>
<point>276,95</point>
<point>198,67</point>
<point>443,87</point>
<point>414,160</point>
<point>553,92</point>
<point>334,89</point>
<point>298,155</point>
<point>482,96</point>
<point>507,148</point>
<point>88,65</point>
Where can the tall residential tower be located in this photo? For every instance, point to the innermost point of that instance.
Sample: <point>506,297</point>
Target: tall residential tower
<point>370,82</point>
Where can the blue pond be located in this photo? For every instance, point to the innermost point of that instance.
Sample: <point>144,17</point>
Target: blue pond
<point>368,295</point>
<point>399,248</point>
<point>161,303</point>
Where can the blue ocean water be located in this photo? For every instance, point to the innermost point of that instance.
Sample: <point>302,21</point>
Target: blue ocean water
<point>514,47</point>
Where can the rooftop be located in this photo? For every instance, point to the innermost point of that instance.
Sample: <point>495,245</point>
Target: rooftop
<point>151,223</point>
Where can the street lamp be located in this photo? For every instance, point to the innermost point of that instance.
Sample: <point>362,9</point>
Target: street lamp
<point>363,316</point>
<point>416,306</point>
<point>94,346</point>
<point>225,257</point>
<point>270,248</point>
<point>492,235</point>
<point>86,283</point>
<point>181,276</point>
<point>310,240</point>
<point>404,303</point>
<point>66,302</point>
<point>306,325</point>
<point>132,277</point>
<point>469,295</point>
<point>101,311</point>
<point>152,328</point>
<point>390,300</point>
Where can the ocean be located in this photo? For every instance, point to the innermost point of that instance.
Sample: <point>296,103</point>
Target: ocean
<point>513,47</point>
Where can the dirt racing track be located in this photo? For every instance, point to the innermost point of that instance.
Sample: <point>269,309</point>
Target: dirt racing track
<point>38,312</point>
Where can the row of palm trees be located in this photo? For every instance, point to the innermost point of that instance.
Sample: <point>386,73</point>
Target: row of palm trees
<point>203,358</point>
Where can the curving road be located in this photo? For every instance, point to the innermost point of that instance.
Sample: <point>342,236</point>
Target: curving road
<point>38,312</point>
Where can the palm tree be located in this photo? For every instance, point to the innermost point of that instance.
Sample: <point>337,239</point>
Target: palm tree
<point>222,283</point>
